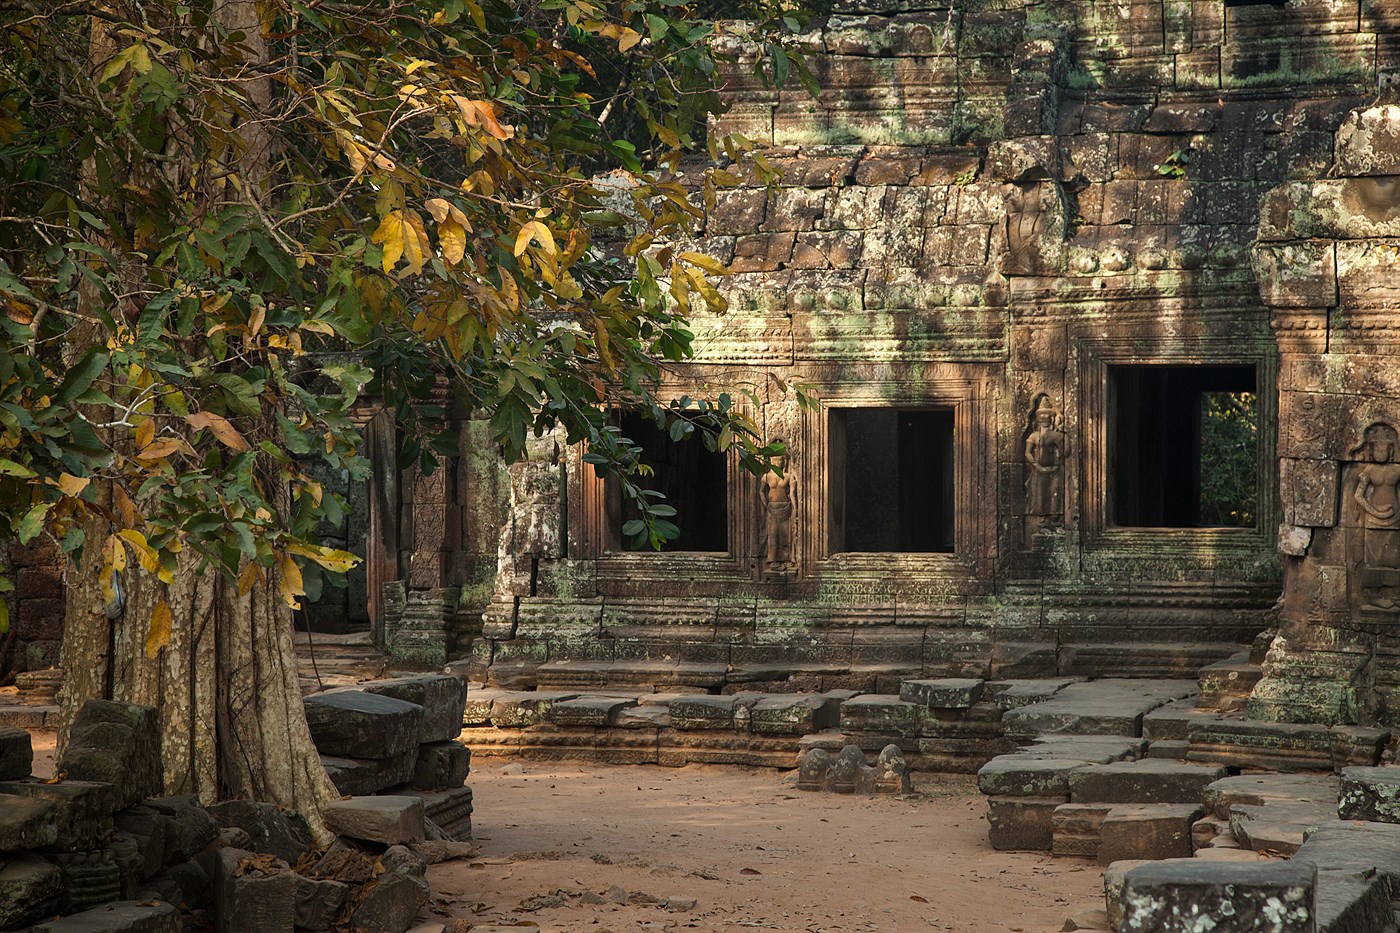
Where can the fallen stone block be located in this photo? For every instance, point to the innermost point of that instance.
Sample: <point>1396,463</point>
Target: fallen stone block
<point>1149,780</point>
<point>441,765</point>
<point>1278,828</point>
<point>81,811</point>
<point>1359,746</point>
<point>271,830</point>
<point>1173,749</point>
<point>1102,707</point>
<point>448,810</point>
<point>148,829</point>
<point>253,893</point>
<point>117,744</point>
<point>1354,902</point>
<point>1369,794</point>
<point>947,693</point>
<point>191,825</point>
<point>345,861</point>
<point>355,724</point>
<point>27,823</point>
<point>1232,897</point>
<point>120,917</point>
<point>30,888</point>
<point>1206,830</point>
<point>388,820</point>
<point>1357,847</point>
<point>1267,789</point>
<point>1114,876</point>
<point>521,710</point>
<point>794,714</point>
<point>319,903</point>
<point>1014,694</point>
<point>881,714</point>
<point>392,904</point>
<point>1147,831</point>
<point>587,711</point>
<point>1022,824</point>
<point>1075,828</point>
<point>443,698</point>
<point>1017,776</point>
<point>16,754</point>
<point>90,877</point>
<point>360,777</point>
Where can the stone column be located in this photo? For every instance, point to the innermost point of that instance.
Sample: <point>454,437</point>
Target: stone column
<point>1328,263</point>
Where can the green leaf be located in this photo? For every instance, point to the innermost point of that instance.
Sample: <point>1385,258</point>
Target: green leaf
<point>32,523</point>
<point>81,375</point>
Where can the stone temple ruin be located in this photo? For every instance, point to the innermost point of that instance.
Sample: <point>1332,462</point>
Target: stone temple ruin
<point>1101,301</point>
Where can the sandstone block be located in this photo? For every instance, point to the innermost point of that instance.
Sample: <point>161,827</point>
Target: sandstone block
<point>27,824</point>
<point>1370,794</point>
<point>442,696</point>
<point>117,744</point>
<point>81,814</point>
<point>1149,780</point>
<point>441,765</point>
<point>880,714</point>
<point>1150,831</point>
<point>793,715</point>
<point>1236,896</point>
<point>1021,823</point>
<point>1075,828</point>
<point>519,710</point>
<point>587,711</point>
<point>252,894</point>
<point>948,693</point>
<point>355,724</point>
<point>30,888</point>
<point>191,826</point>
<point>16,754</point>
<point>270,829</point>
<point>318,903</point>
<point>364,776</point>
<point>90,877</point>
<point>1012,775</point>
<point>120,917</point>
<point>392,904</point>
<point>389,820</point>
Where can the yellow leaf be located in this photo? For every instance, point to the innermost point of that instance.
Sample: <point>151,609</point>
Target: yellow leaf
<point>71,485</point>
<point>255,322</point>
<point>708,263</point>
<point>291,583</point>
<point>159,635</point>
<point>126,509</point>
<point>149,559</point>
<point>454,241</point>
<point>116,553</point>
<point>538,232</point>
<point>159,450</point>
<point>333,560</point>
<point>218,426</point>
<point>415,242</point>
<point>318,327</point>
<point>250,575</point>
<point>145,433</point>
<point>628,38</point>
<point>390,235</point>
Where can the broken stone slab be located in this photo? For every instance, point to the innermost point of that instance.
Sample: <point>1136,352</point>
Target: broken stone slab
<point>1369,793</point>
<point>362,776</point>
<point>148,829</point>
<point>319,903</point>
<point>703,711</point>
<point>1233,897</point>
<point>1279,828</point>
<point>1174,721</point>
<point>345,861</point>
<point>16,754</point>
<point>1148,780</point>
<point>1357,746</point>
<point>794,714</point>
<point>117,744</point>
<point>1273,746</point>
<point>270,830</point>
<point>477,710</point>
<point>253,894</point>
<point>588,710</point>
<point>1147,831</point>
<point>119,917</point>
<point>643,717</point>
<point>1206,830</point>
<point>1014,694</point>
<point>881,714</point>
<point>1171,749</point>
<point>1093,749</point>
<point>392,904</point>
<point>388,820</point>
<point>1353,902</point>
<point>1111,706</point>
<point>1021,824</point>
<point>448,810</point>
<point>27,823</point>
<point>355,724</point>
<point>1014,776</point>
<point>1075,828</point>
<point>1354,846</point>
<point>443,698</point>
<point>81,811</point>
<point>441,765</point>
<point>1267,789</point>
<point>946,693</point>
<point>30,887</point>
<point>191,828</point>
<point>521,710</point>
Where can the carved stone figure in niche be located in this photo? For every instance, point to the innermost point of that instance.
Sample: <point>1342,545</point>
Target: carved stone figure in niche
<point>1377,493</point>
<point>1034,222</point>
<point>1045,456</point>
<point>532,527</point>
<point>775,493</point>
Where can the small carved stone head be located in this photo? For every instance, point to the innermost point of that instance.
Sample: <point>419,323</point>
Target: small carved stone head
<point>1379,444</point>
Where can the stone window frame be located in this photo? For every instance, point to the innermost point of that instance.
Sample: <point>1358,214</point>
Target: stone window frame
<point>966,389</point>
<point>593,525</point>
<point>1095,356</point>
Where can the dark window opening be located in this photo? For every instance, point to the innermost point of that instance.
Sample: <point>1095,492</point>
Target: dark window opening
<point>1184,446</point>
<point>891,480</point>
<point>694,480</point>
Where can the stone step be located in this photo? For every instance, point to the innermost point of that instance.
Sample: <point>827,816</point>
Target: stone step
<point>1369,793</point>
<point>1099,707</point>
<point>1148,780</point>
<point>31,718</point>
<point>1276,746</point>
<point>1147,831</point>
<point>1225,685</point>
<point>1278,828</point>
<point>1142,660</point>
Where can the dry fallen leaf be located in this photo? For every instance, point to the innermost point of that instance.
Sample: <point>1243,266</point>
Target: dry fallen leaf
<point>750,871</point>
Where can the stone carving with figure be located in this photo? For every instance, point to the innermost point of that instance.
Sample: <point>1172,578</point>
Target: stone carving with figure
<point>1377,494</point>
<point>775,493</point>
<point>1045,455</point>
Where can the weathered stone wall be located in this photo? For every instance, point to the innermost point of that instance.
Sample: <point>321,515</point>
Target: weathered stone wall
<point>984,210</point>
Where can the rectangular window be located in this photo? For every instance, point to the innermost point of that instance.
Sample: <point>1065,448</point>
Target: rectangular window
<point>1183,446</point>
<point>891,480</point>
<point>694,480</point>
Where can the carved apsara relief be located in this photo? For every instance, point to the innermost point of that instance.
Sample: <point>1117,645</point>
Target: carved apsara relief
<point>1044,455</point>
<point>532,529</point>
<point>775,493</point>
<point>1375,491</point>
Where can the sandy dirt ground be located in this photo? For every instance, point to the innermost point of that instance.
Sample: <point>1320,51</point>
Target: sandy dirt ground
<point>584,848</point>
<point>750,849</point>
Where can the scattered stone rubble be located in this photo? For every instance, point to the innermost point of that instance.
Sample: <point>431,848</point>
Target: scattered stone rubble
<point>102,851</point>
